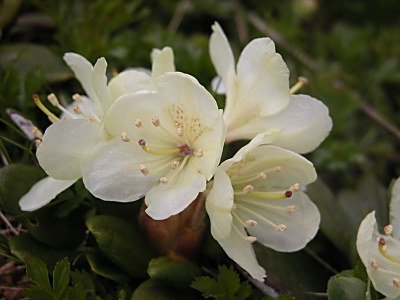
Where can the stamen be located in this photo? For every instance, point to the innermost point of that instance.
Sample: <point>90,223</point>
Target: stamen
<point>262,175</point>
<point>281,227</point>
<point>54,101</point>
<point>396,282</point>
<point>175,164</point>
<point>288,194</point>
<point>144,169</point>
<point>37,133</point>
<point>138,123</point>
<point>251,239</point>
<point>374,264</point>
<point>114,71</point>
<point>294,188</point>
<point>156,121</point>
<point>44,109</point>
<point>383,251</point>
<point>37,143</point>
<point>76,109</point>
<point>142,143</point>
<point>301,81</point>
<point>163,180</point>
<point>250,223</point>
<point>269,195</point>
<point>124,137</point>
<point>77,98</point>
<point>290,208</point>
<point>388,229</point>
<point>199,153</point>
<point>248,189</point>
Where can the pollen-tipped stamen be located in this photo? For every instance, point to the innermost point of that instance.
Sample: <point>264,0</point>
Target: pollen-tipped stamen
<point>382,249</point>
<point>142,144</point>
<point>53,118</point>
<point>301,81</point>
<point>52,98</point>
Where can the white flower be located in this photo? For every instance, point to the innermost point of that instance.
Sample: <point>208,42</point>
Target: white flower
<point>69,141</point>
<point>169,145</point>
<point>380,253</point>
<point>257,196</point>
<point>258,96</point>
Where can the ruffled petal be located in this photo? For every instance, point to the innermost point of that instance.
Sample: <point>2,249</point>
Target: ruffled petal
<point>302,223</point>
<point>65,145</point>
<point>262,78</point>
<point>219,204</point>
<point>221,53</point>
<point>163,61</point>
<point>42,192</point>
<point>165,200</point>
<point>128,82</point>
<point>241,251</point>
<point>112,172</point>
<point>380,270</point>
<point>99,80</point>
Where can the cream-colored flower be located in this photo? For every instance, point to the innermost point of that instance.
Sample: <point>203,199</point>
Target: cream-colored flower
<point>380,253</point>
<point>257,196</point>
<point>72,137</point>
<point>169,144</point>
<point>258,96</point>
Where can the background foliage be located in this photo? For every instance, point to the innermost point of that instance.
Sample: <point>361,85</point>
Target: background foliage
<point>348,50</point>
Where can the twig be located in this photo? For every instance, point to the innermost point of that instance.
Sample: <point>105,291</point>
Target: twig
<point>321,261</point>
<point>179,13</point>
<point>9,225</point>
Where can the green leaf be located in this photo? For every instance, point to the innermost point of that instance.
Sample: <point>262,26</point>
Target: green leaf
<point>36,270</point>
<point>345,288</point>
<point>208,287</point>
<point>122,243</point>
<point>155,290</point>
<point>229,281</point>
<point>177,273</point>
<point>61,276</point>
<point>103,267</point>
<point>26,57</point>
<point>38,293</point>
<point>244,291</point>
<point>74,293</point>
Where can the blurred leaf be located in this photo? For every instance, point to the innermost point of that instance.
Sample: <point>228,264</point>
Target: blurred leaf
<point>74,293</point>
<point>154,290</point>
<point>61,276</point>
<point>346,288</point>
<point>26,57</point>
<point>8,9</point>
<point>177,273</point>
<point>38,293</point>
<point>208,286</point>
<point>122,243</point>
<point>103,267</point>
<point>36,270</point>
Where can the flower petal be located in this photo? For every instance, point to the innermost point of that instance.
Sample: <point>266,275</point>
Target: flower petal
<point>263,79</point>
<point>221,54</point>
<point>99,80</point>
<point>395,209</point>
<point>42,192</point>
<point>128,82</point>
<point>163,61</point>
<point>385,271</point>
<point>301,224</point>
<point>241,251</point>
<point>64,146</point>
<point>305,123</point>
<point>112,172</point>
<point>165,200</point>
<point>219,204</point>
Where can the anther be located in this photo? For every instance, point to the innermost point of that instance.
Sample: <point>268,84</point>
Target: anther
<point>288,194</point>
<point>144,169</point>
<point>251,239</point>
<point>124,137</point>
<point>301,81</point>
<point>37,143</point>
<point>76,109</point>
<point>199,153</point>
<point>295,187</point>
<point>138,123</point>
<point>250,223</point>
<point>396,282</point>
<point>381,242</point>
<point>156,121</point>
<point>77,98</point>
<point>262,175</point>
<point>281,227</point>
<point>175,164</point>
<point>374,265</point>
<point>278,169</point>
<point>388,229</point>
<point>163,180</point>
<point>114,71</point>
<point>53,100</point>
<point>142,142</point>
<point>39,104</point>
<point>37,133</point>
<point>179,130</point>
<point>290,208</point>
<point>248,189</point>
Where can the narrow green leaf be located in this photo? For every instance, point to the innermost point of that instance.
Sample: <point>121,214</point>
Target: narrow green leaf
<point>61,276</point>
<point>36,270</point>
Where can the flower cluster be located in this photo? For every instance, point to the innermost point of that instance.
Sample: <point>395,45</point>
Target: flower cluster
<point>380,253</point>
<point>160,135</point>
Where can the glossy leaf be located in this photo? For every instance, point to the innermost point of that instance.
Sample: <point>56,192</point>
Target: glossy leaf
<point>155,290</point>
<point>346,288</point>
<point>61,276</point>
